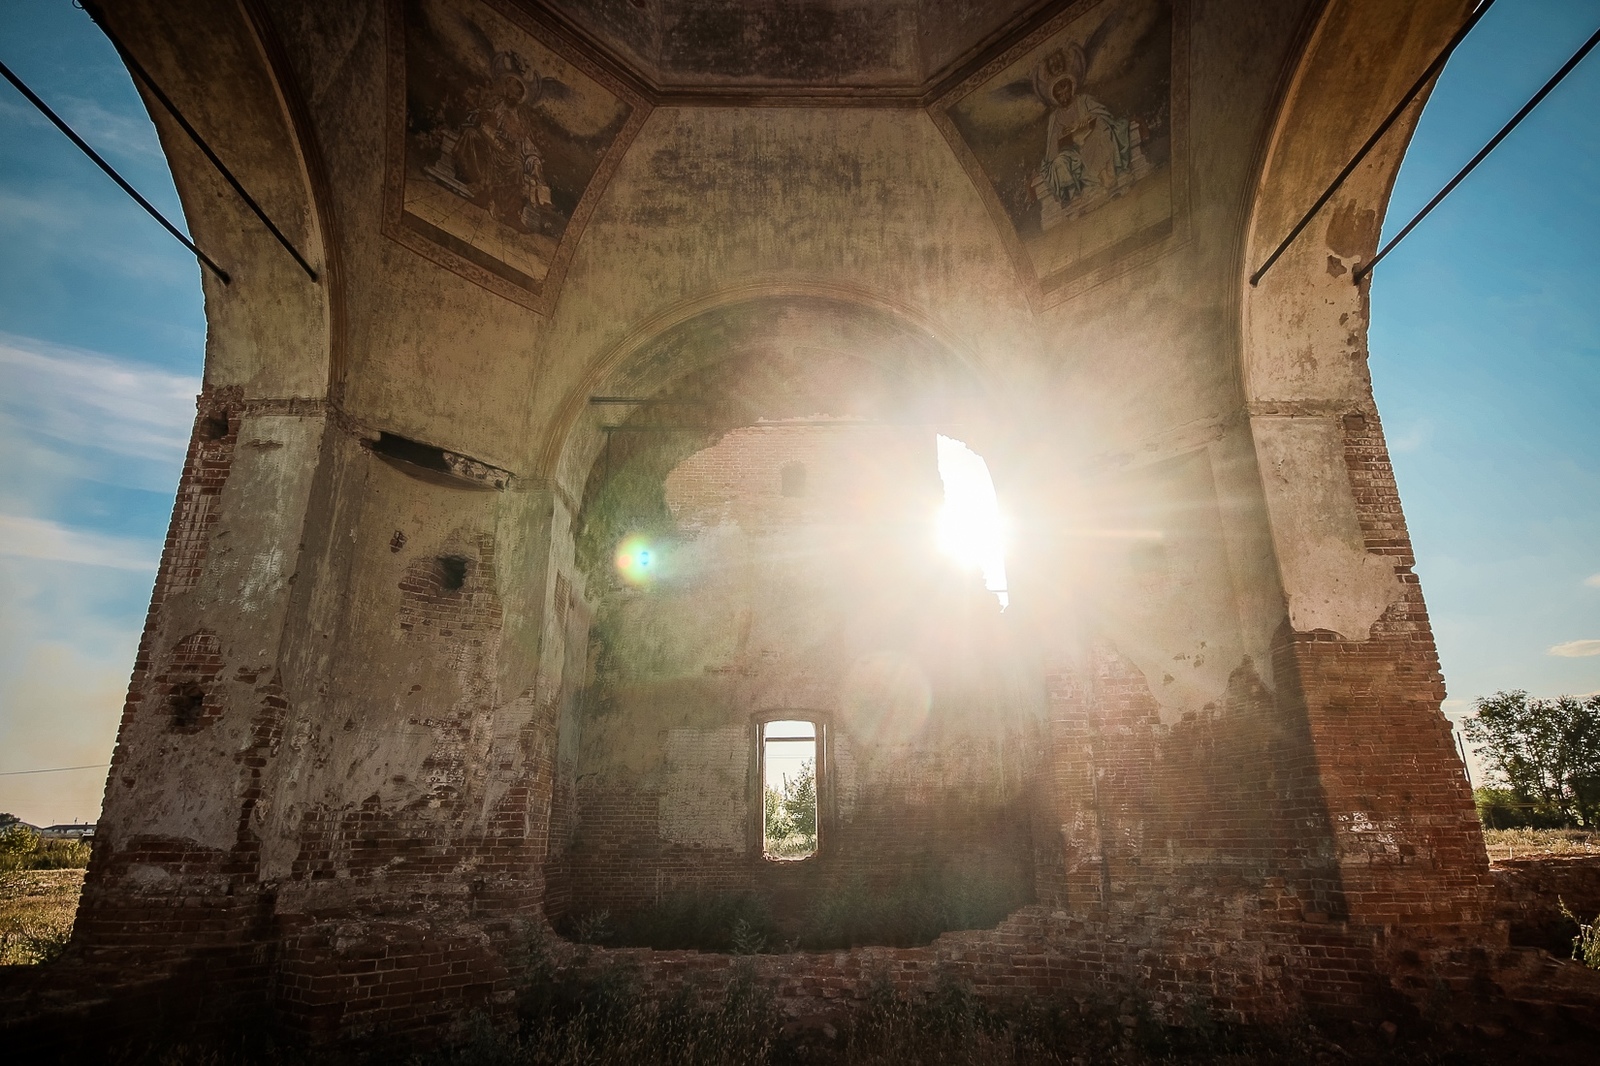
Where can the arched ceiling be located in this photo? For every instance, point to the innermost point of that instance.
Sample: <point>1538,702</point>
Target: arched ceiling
<point>878,47</point>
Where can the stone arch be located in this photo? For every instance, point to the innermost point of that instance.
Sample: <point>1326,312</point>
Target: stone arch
<point>273,371</point>
<point>1357,646</point>
<point>272,330</point>
<point>634,362</point>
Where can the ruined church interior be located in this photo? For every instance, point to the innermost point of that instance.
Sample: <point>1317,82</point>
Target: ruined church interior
<point>813,489</point>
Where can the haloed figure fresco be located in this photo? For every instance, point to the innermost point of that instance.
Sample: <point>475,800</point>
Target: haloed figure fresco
<point>1089,153</point>
<point>1083,117</point>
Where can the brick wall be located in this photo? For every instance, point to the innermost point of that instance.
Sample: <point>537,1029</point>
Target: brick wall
<point>1301,844</point>
<point>1410,846</point>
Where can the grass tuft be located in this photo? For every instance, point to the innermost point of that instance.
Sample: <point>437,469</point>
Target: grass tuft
<point>37,908</point>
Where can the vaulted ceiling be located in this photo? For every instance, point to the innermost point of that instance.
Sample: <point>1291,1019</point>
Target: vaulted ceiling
<point>900,47</point>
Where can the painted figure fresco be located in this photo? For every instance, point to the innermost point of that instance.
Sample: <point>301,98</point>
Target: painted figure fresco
<point>503,137</point>
<point>1072,131</point>
<point>1089,153</point>
<point>492,156</point>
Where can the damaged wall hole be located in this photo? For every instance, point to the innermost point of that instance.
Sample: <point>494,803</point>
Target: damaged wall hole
<point>792,479</point>
<point>452,572</point>
<point>187,706</point>
<point>214,426</point>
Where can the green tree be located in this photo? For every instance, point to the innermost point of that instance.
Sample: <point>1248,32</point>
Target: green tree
<point>800,804</point>
<point>791,814</point>
<point>1545,752</point>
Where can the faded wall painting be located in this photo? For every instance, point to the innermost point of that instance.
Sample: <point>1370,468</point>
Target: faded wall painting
<point>1074,137</point>
<point>500,141</point>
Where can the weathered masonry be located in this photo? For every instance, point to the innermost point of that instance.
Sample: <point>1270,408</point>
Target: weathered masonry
<point>712,276</point>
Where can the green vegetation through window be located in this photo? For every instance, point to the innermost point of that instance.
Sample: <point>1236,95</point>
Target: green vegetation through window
<point>789,789</point>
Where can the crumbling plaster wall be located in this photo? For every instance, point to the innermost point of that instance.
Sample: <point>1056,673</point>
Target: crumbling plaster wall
<point>393,775</point>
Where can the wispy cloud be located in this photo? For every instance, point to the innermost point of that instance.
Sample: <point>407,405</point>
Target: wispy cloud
<point>1593,581</point>
<point>1412,438</point>
<point>108,132</point>
<point>46,541</point>
<point>69,225</point>
<point>1576,649</point>
<point>91,400</point>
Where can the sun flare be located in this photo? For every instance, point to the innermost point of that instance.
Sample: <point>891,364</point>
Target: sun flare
<point>971,530</point>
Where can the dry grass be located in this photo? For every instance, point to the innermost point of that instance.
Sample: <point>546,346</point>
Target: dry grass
<point>36,912</point>
<point>1528,843</point>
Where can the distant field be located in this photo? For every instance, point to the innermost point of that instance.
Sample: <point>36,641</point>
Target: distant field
<point>36,911</point>
<point>1523,843</point>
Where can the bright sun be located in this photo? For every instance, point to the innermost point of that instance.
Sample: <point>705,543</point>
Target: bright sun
<point>970,527</point>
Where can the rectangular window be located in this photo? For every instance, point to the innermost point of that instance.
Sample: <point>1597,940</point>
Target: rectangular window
<point>789,767</point>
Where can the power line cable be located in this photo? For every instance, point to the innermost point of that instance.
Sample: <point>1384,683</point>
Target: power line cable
<point>111,173</point>
<point>93,11</point>
<point>55,769</point>
<point>1483,153</point>
<point>1372,141</point>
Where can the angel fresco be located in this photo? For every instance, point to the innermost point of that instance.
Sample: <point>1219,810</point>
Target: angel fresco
<point>503,138</point>
<point>492,156</point>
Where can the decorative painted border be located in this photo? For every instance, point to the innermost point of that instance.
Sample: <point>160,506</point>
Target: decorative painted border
<point>1133,251</point>
<point>537,296</point>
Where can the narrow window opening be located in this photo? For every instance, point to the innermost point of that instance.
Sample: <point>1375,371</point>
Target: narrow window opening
<point>789,789</point>
<point>793,477</point>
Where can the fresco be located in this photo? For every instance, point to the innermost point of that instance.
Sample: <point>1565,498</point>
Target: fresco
<point>499,143</point>
<point>1072,136</point>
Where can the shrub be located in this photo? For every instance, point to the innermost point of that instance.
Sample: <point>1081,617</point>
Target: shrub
<point>609,1019</point>
<point>1501,808</point>
<point>17,845</point>
<point>23,849</point>
<point>790,815</point>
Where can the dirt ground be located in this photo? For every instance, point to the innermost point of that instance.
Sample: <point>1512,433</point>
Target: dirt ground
<point>36,911</point>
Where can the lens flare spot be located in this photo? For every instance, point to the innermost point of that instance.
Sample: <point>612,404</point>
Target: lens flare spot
<point>637,560</point>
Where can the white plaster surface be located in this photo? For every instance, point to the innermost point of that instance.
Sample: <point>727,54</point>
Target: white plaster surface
<point>1330,579</point>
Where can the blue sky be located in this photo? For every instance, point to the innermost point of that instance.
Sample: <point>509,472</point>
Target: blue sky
<point>1485,356</point>
<point>102,335</point>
